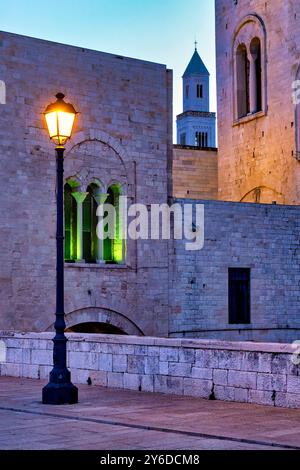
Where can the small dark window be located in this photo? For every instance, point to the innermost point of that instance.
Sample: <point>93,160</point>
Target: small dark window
<point>255,49</point>
<point>201,139</point>
<point>239,295</point>
<point>243,79</point>
<point>187,89</point>
<point>199,91</point>
<point>183,139</point>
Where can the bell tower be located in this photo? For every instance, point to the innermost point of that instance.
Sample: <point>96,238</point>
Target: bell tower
<point>196,126</point>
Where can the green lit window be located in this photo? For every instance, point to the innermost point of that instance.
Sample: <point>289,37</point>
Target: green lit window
<point>113,248</point>
<point>89,224</point>
<point>81,241</point>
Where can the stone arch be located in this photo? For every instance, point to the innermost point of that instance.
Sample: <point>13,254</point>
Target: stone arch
<point>120,184</point>
<point>100,315</point>
<point>98,184</point>
<point>254,18</point>
<point>251,27</point>
<point>73,181</point>
<point>106,161</point>
<point>263,195</point>
<point>103,137</point>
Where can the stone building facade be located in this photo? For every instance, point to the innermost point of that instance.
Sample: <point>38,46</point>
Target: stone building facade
<point>258,50</point>
<point>261,239</point>
<point>123,137</point>
<point>122,144</point>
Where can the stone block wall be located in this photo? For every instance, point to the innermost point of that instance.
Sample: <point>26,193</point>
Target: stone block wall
<point>195,173</point>
<point>243,372</point>
<point>124,131</point>
<point>124,134</point>
<point>263,238</point>
<point>257,157</point>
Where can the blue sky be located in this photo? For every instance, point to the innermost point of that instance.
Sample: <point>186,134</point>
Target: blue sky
<point>161,31</point>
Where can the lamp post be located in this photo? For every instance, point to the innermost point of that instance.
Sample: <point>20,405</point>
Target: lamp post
<point>60,117</point>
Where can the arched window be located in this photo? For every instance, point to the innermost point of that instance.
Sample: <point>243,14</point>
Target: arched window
<point>242,81</point>
<point>114,247</point>
<point>81,220</point>
<point>70,224</point>
<point>89,225</point>
<point>255,76</point>
<point>250,68</point>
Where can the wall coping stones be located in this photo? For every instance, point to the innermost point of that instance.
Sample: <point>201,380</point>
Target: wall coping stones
<point>244,346</point>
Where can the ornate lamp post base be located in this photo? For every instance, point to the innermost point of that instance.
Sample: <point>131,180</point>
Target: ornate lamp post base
<point>60,394</point>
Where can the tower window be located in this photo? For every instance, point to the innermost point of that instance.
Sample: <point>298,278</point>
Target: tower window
<point>256,76</point>
<point>201,139</point>
<point>187,91</point>
<point>239,296</point>
<point>249,59</point>
<point>242,78</point>
<point>199,91</point>
<point>183,139</point>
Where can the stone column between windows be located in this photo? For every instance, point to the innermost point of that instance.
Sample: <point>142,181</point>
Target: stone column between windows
<point>253,83</point>
<point>100,199</point>
<point>79,198</point>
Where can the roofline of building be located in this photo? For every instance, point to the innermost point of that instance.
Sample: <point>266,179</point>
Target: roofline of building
<point>202,114</point>
<point>193,147</point>
<point>85,49</point>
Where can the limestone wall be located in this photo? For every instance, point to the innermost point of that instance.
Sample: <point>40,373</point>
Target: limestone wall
<point>195,173</point>
<point>257,157</point>
<point>263,238</point>
<point>123,134</point>
<point>242,372</point>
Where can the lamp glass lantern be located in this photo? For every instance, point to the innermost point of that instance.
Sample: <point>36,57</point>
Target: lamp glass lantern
<point>60,117</point>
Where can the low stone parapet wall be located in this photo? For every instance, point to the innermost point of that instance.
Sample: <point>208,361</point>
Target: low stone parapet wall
<point>232,371</point>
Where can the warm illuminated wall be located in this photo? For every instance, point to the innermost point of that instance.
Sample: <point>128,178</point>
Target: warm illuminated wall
<point>195,173</point>
<point>257,154</point>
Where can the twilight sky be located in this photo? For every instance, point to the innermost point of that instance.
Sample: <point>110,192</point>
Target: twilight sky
<point>161,31</point>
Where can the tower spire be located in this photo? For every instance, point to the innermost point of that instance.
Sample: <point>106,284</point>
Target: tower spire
<point>196,44</point>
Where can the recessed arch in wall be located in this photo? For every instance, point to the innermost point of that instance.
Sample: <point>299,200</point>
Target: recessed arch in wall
<point>263,195</point>
<point>249,61</point>
<point>97,315</point>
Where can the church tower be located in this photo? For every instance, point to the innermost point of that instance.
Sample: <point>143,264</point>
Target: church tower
<point>196,126</point>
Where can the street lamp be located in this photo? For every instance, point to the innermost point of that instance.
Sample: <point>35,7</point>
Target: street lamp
<point>60,117</point>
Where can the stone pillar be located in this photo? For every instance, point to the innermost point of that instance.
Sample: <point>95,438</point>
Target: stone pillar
<point>100,199</point>
<point>79,197</point>
<point>253,84</point>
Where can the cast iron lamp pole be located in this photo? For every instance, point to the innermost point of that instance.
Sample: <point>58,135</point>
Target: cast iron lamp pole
<point>60,117</point>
